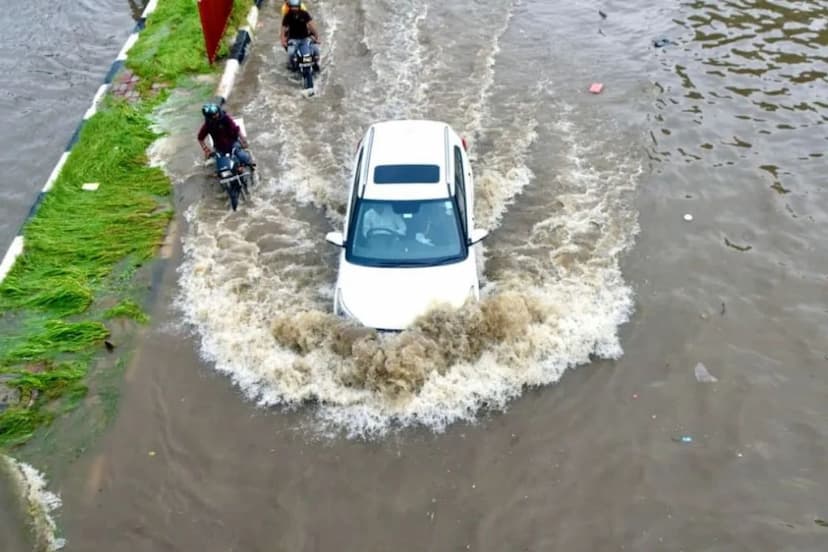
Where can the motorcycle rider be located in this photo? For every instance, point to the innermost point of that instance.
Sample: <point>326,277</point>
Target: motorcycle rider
<point>298,24</point>
<point>225,133</point>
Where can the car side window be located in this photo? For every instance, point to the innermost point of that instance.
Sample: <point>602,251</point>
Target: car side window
<point>460,185</point>
<point>355,187</point>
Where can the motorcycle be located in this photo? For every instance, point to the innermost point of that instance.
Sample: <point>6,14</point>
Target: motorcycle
<point>234,178</point>
<point>304,62</point>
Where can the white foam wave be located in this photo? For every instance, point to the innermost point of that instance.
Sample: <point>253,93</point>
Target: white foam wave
<point>504,173</point>
<point>478,108</point>
<point>393,34</point>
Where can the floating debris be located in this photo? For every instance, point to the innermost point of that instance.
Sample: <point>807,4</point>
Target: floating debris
<point>688,217</point>
<point>737,247</point>
<point>779,188</point>
<point>703,376</point>
<point>661,42</point>
<point>90,186</point>
<point>596,87</point>
<point>683,439</point>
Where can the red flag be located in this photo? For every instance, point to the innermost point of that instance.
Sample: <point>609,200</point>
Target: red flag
<point>214,15</point>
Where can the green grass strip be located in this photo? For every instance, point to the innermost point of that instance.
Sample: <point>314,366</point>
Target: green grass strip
<point>18,424</point>
<point>77,237</point>
<point>82,248</point>
<point>172,45</point>
<point>127,309</point>
<point>57,337</point>
<point>52,378</point>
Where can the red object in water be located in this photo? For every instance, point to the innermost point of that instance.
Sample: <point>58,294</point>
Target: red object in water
<point>596,87</point>
<point>214,15</point>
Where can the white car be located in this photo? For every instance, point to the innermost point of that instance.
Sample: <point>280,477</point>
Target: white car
<point>409,226</point>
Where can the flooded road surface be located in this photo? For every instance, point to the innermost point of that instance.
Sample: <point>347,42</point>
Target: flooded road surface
<point>14,536</point>
<point>244,416</point>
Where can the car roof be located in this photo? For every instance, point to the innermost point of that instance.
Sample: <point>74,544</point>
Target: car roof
<point>408,142</point>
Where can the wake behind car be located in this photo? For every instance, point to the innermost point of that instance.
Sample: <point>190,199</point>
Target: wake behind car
<point>407,243</point>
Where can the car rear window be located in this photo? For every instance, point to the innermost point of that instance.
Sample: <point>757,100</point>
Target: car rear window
<point>406,174</point>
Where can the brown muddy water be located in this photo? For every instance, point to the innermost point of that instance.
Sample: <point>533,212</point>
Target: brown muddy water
<point>14,535</point>
<point>552,417</point>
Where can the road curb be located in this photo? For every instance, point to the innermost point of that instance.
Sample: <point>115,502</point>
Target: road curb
<point>238,52</point>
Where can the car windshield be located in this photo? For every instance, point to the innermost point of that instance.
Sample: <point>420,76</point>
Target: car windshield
<point>405,233</point>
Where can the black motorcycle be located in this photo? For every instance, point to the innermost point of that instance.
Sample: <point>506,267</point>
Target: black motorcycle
<point>304,63</point>
<point>235,178</point>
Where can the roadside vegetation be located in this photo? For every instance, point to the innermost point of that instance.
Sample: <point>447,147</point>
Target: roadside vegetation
<point>80,272</point>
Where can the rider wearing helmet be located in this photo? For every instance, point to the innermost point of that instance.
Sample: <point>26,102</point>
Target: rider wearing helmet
<point>225,133</point>
<point>286,7</point>
<point>298,24</point>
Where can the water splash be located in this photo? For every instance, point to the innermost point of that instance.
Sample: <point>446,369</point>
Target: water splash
<point>257,288</point>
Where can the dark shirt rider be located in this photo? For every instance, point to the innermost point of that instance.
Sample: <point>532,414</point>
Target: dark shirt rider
<point>298,24</point>
<point>224,132</point>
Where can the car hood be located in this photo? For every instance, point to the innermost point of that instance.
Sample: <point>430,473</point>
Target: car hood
<point>391,298</point>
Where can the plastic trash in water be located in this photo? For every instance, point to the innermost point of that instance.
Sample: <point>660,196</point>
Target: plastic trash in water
<point>703,376</point>
<point>688,217</point>
<point>683,439</point>
<point>596,87</point>
<point>661,42</point>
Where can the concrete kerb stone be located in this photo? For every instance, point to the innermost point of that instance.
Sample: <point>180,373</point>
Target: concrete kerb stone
<point>125,86</point>
<point>238,53</point>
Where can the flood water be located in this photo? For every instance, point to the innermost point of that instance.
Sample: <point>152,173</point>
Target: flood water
<point>14,535</point>
<point>564,412</point>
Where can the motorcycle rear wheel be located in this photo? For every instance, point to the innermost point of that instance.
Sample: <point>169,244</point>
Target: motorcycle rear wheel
<point>307,75</point>
<point>234,190</point>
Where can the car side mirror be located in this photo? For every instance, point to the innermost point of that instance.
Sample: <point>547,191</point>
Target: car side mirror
<point>335,238</point>
<point>476,235</point>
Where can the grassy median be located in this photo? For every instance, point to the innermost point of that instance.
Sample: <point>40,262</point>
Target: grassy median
<point>83,249</point>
